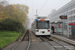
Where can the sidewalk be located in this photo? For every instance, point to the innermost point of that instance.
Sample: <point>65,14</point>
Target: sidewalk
<point>70,41</point>
<point>65,36</point>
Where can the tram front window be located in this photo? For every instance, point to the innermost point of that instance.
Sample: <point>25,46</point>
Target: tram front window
<point>42,24</point>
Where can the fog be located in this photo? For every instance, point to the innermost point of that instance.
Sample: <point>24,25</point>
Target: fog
<point>44,7</point>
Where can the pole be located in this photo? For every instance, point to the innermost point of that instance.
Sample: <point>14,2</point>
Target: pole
<point>67,25</point>
<point>71,13</point>
<point>26,2</point>
<point>36,13</point>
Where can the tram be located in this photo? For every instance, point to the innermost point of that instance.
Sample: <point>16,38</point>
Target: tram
<point>41,27</point>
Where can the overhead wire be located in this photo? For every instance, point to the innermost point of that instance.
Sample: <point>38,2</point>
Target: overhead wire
<point>32,8</point>
<point>8,0</point>
<point>43,5</point>
<point>26,2</point>
<point>32,4</point>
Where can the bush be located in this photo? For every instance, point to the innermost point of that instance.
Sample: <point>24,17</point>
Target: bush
<point>11,25</point>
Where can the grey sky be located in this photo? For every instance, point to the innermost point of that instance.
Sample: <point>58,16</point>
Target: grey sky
<point>37,4</point>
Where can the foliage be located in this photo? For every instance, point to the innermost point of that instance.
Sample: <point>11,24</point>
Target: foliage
<point>12,17</point>
<point>11,25</point>
<point>17,12</point>
<point>26,24</point>
<point>23,11</point>
<point>6,37</point>
<point>1,11</point>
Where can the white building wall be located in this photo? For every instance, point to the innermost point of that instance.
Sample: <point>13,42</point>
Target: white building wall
<point>68,9</point>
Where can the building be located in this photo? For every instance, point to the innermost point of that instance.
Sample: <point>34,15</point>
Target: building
<point>68,9</point>
<point>4,3</point>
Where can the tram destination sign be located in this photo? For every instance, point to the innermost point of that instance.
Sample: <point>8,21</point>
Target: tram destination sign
<point>63,17</point>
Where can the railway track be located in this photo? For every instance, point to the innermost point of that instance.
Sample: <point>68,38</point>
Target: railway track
<point>26,34</point>
<point>31,42</point>
<point>47,39</point>
<point>42,38</point>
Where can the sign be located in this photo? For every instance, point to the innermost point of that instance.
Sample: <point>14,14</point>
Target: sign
<point>63,17</point>
<point>71,24</point>
<point>55,21</point>
<point>60,25</point>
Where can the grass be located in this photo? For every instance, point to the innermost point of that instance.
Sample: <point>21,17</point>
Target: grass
<point>6,37</point>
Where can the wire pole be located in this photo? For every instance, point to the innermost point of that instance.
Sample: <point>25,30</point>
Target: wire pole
<point>26,2</point>
<point>36,13</point>
<point>67,25</point>
<point>32,8</point>
<point>43,6</point>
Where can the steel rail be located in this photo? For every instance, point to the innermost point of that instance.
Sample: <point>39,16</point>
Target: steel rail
<point>20,40</point>
<point>48,43</point>
<point>29,41</point>
<point>55,42</point>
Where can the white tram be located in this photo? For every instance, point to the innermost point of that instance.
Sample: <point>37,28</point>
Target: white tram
<point>41,27</point>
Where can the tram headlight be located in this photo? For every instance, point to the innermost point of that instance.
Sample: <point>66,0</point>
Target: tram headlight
<point>48,30</point>
<point>37,30</point>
